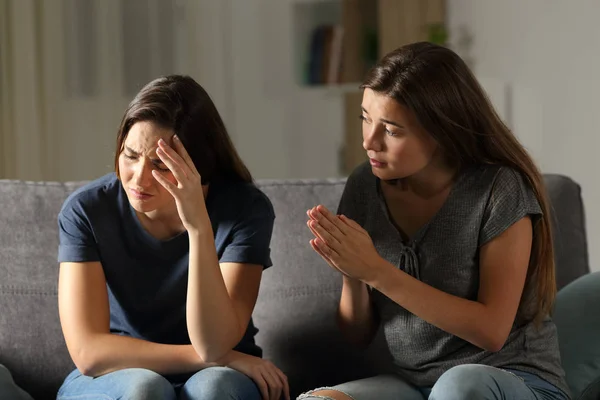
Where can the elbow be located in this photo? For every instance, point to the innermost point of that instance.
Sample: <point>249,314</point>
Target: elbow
<point>213,352</point>
<point>87,363</point>
<point>493,341</point>
<point>89,359</point>
<point>210,354</point>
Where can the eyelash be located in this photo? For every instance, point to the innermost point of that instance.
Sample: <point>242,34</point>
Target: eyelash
<point>390,133</point>
<point>127,156</point>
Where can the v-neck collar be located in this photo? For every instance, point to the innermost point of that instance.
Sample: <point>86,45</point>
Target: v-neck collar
<point>420,233</point>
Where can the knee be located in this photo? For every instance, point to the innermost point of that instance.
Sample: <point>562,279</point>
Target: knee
<point>469,381</point>
<point>327,394</point>
<point>146,385</point>
<point>220,383</point>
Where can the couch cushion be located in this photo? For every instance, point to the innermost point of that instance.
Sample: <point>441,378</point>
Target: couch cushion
<point>31,341</point>
<point>570,240</point>
<point>578,323</point>
<point>295,312</point>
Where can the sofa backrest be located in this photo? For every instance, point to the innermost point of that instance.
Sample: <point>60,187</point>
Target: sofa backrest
<point>300,293</point>
<point>296,305</point>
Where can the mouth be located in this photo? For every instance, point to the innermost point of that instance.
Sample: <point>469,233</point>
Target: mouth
<point>376,163</point>
<point>140,195</point>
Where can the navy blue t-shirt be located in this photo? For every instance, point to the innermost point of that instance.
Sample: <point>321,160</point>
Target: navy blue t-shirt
<point>146,277</point>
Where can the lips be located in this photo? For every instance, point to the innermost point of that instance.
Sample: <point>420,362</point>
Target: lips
<point>376,163</point>
<point>139,194</point>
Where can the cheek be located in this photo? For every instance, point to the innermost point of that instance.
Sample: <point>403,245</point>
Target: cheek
<point>124,170</point>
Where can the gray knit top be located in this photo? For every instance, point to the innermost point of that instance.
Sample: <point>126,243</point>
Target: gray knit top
<point>483,202</point>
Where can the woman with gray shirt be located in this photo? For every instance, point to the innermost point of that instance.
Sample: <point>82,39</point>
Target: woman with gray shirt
<point>443,240</point>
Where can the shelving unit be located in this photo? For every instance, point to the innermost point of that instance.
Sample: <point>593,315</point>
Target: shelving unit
<point>370,29</point>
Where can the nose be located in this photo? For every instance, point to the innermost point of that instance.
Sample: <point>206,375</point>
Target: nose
<point>143,174</point>
<point>371,138</point>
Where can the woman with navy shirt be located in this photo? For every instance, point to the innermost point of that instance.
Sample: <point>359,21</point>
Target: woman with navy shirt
<point>161,262</point>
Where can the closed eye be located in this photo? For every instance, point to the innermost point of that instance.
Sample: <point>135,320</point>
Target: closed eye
<point>158,166</point>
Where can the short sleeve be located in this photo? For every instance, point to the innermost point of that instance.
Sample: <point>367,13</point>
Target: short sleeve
<point>511,199</point>
<point>251,235</point>
<point>76,239</point>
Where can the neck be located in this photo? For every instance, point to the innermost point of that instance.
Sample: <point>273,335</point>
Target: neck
<point>432,180</point>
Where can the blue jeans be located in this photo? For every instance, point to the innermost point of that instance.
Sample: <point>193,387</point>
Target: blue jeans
<point>8,387</point>
<point>142,384</point>
<point>468,381</point>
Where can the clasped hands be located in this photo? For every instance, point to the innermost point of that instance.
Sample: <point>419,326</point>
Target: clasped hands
<point>343,244</point>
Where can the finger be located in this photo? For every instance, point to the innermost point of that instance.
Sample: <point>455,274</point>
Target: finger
<point>273,382</point>
<point>319,252</point>
<point>171,188</point>
<point>262,386</point>
<point>329,226</point>
<point>284,382</point>
<point>324,257</point>
<point>332,239</point>
<point>311,212</point>
<point>308,223</point>
<point>333,218</point>
<point>167,156</point>
<point>180,148</point>
<point>353,224</point>
<point>327,251</point>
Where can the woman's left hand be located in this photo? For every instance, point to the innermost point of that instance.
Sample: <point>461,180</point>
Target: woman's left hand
<point>344,244</point>
<point>187,191</point>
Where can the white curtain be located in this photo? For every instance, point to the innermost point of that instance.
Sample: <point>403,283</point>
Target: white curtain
<point>68,69</point>
<point>22,112</point>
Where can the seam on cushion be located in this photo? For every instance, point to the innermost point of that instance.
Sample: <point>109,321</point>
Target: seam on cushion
<point>301,183</point>
<point>20,290</point>
<point>300,292</point>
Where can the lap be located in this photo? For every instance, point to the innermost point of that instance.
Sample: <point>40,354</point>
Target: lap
<point>219,383</point>
<point>471,381</point>
<point>130,383</point>
<point>141,384</point>
<point>381,387</point>
<point>490,383</point>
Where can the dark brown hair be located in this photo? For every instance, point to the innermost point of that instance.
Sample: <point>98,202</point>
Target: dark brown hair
<point>179,103</point>
<point>438,87</point>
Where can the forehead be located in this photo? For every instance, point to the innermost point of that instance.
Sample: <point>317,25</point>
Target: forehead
<point>144,135</point>
<point>384,106</point>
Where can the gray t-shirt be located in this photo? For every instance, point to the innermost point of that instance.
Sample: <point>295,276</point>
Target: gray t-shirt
<point>483,202</point>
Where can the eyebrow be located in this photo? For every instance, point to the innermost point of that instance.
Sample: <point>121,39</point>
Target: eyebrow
<point>129,149</point>
<point>135,153</point>
<point>387,121</point>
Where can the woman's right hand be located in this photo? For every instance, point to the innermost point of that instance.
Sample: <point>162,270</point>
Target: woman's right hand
<point>272,383</point>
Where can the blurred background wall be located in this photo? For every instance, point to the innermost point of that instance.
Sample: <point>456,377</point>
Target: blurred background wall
<point>68,69</point>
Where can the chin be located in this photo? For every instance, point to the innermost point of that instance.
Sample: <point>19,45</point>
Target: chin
<point>142,206</point>
<point>385,174</point>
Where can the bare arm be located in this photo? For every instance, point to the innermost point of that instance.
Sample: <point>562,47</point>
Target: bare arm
<point>84,316</point>
<point>356,315</point>
<point>220,299</point>
<point>486,322</point>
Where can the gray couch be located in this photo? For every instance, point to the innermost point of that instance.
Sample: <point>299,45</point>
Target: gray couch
<point>297,301</point>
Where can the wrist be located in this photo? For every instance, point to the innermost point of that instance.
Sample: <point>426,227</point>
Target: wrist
<point>378,273</point>
<point>200,235</point>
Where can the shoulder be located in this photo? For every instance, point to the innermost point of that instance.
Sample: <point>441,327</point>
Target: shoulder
<point>92,196</point>
<point>361,183</point>
<point>490,181</point>
<point>361,176</point>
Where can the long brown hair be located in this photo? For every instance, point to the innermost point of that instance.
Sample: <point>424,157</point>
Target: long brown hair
<point>438,87</point>
<point>179,103</point>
